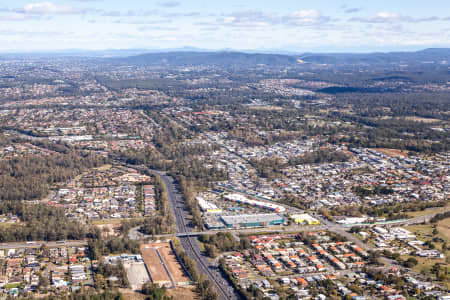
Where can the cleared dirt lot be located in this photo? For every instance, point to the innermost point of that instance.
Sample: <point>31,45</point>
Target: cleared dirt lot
<point>137,274</point>
<point>175,269</point>
<point>184,293</point>
<point>392,152</point>
<point>157,272</point>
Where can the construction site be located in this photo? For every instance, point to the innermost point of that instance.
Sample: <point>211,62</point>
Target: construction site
<point>162,265</point>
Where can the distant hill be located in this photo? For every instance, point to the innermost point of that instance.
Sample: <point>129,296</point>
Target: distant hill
<point>423,56</point>
<point>188,56</point>
<point>241,59</point>
<point>224,59</point>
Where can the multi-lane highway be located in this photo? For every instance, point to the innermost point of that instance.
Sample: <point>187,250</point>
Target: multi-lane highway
<point>190,243</point>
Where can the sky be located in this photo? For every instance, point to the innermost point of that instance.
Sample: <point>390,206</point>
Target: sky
<point>261,25</point>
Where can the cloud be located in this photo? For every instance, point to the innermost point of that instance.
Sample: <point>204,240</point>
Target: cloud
<point>169,3</point>
<point>130,13</point>
<point>141,22</point>
<point>253,18</point>
<point>307,17</point>
<point>31,33</point>
<point>15,17</point>
<point>48,8</point>
<point>184,14</point>
<point>158,28</point>
<point>388,17</point>
<point>248,18</point>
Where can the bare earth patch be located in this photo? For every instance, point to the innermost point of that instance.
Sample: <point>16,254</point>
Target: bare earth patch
<point>137,274</point>
<point>392,152</point>
<point>156,269</point>
<point>185,293</point>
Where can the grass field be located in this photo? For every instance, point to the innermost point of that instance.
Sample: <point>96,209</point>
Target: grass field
<point>425,264</point>
<point>12,286</point>
<point>8,225</point>
<point>431,210</point>
<point>104,168</point>
<point>444,228</point>
<point>425,233</point>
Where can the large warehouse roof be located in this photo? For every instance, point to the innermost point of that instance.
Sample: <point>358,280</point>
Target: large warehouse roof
<point>242,199</point>
<point>246,219</point>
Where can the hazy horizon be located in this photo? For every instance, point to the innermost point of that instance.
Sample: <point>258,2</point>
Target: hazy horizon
<point>194,49</point>
<point>286,25</point>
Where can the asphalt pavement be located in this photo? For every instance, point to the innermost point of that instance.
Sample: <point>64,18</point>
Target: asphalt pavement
<point>190,243</point>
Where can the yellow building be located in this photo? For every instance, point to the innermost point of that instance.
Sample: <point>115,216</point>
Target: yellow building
<point>304,219</point>
<point>208,207</point>
<point>214,210</point>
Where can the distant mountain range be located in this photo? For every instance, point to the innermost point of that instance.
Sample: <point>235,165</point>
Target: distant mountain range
<point>238,59</point>
<point>189,56</point>
<point>241,59</point>
<point>427,55</point>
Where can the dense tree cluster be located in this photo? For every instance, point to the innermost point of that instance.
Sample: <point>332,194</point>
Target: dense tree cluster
<point>319,156</point>
<point>83,295</point>
<point>107,270</point>
<point>270,167</point>
<point>41,222</point>
<point>30,176</point>
<point>155,292</point>
<point>370,191</point>
<point>223,242</point>
<point>440,217</point>
<point>390,211</point>
<point>112,245</point>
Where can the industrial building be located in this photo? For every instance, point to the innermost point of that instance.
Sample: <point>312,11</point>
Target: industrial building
<point>266,205</point>
<point>304,219</point>
<point>208,207</point>
<point>258,220</point>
